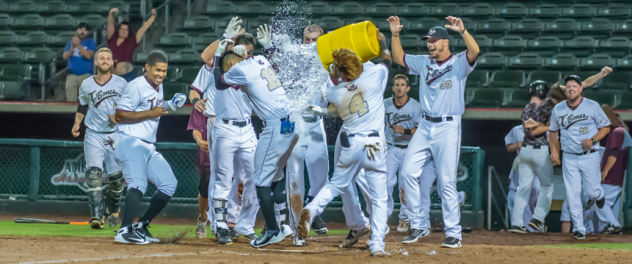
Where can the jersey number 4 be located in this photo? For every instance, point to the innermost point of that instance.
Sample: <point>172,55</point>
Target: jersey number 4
<point>271,78</point>
<point>358,105</point>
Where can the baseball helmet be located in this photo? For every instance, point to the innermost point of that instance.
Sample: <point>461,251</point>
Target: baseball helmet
<point>539,88</point>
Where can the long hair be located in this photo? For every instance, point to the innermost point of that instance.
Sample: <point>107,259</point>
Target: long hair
<point>348,62</point>
<point>130,30</point>
<point>614,121</point>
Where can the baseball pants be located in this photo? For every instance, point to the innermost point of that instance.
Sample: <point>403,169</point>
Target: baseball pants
<point>272,153</point>
<point>607,213</point>
<point>581,172</point>
<point>533,163</point>
<point>99,149</point>
<point>352,159</point>
<point>394,162</point>
<point>310,151</point>
<point>142,163</point>
<point>441,142</point>
<point>351,207</point>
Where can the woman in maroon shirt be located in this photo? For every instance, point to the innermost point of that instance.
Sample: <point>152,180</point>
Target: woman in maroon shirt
<point>122,42</point>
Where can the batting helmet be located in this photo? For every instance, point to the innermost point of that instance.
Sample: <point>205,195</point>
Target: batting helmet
<point>539,88</point>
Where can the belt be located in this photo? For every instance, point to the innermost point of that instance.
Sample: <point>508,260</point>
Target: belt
<point>236,123</point>
<point>108,132</point>
<point>374,134</point>
<point>311,119</point>
<point>438,119</point>
<point>534,146</point>
<point>583,153</point>
<point>398,146</point>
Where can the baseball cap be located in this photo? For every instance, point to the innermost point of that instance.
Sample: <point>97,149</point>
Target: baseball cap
<point>574,78</point>
<point>83,25</point>
<point>436,33</point>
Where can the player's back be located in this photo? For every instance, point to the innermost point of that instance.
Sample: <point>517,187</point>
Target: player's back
<point>360,103</point>
<point>101,99</point>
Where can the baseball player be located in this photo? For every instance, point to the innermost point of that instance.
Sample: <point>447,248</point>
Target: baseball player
<point>256,78</point>
<point>438,137</point>
<point>138,113</point>
<point>97,100</point>
<point>198,123</point>
<point>359,100</point>
<point>582,124</point>
<point>310,151</point>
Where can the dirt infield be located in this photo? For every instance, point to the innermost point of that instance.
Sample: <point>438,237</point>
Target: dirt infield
<point>479,247</point>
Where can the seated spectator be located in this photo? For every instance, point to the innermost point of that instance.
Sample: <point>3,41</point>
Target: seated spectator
<point>78,52</point>
<point>122,41</point>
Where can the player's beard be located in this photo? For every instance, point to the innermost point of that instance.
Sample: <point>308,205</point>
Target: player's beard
<point>104,71</point>
<point>573,98</point>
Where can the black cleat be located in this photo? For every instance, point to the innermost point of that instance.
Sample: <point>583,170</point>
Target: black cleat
<point>233,234</point>
<point>451,242</point>
<point>141,229</point>
<point>518,229</point>
<point>128,235</point>
<point>414,235</point>
<point>354,236</point>
<point>268,238</point>
<point>319,226</point>
<point>538,226</point>
<point>224,237</point>
<point>610,229</point>
<point>96,223</point>
<point>577,235</point>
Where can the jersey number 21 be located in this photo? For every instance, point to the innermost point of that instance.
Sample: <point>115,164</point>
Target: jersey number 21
<point>271,78</point>
<point>358,105</point>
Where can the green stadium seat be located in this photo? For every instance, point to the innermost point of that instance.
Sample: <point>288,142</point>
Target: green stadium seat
<point>477,79</point>
<point>380,9</point>
<point>494,27</point>
<point>319,8</point>
<point>3,5</point>
<point>596,62</point>
<point>487,98</point>
<point>624,63</point>
<point>580,46</point>
<point>512,11</point>
<point>331,23</point>
<point>172,74</point>
<point>123,6</point>
<point>491,60</point>
<point>184,56</point>
<point>478,10</point>
<point>86,7</point>
<point>613,11</point>
<point>170,89</point>
<point>413,9</point>
<point>603,96</point>
<point>253,24</point>
<point>61,21</point>
<point>507,79</point>
<point>565,61</point>
<point>563,28</point>
<point>33,38</point>
<point>597,28</point>
<point>548,76</point>
<point>202,41</point>
<point>616,81</point>
<point>445,9</point>
<point>359,19</point>
<point>60,39</point>
<point>410,41</point>
<point>221,23</point>
<point>10,90</point>
<point>10,55</point>
<point>141,58</point>
<point>6,20</point>
<point>623,28</point>
<point>509,45</point>
<point>526,28</point>
<point>349,9</point>
<point>615,46</point>
<point>198,23</point>
<point>516,98</point>
<point>484,43</point>
<point>94,20</point>
<point>8,38</point>
<point>220,8</point>
<point>30,21</point>
<point>188,74</point>
<point>175,40</point>
<point>422,25</point>
<point>16,72</point>
<point>23,6</point>
<point>53,7</point>
<point>545,11</point>
<point>38,55</point>
<point>383,25</point>
<point>626,101</point>
<point>526,61</point>
<point>253,8</point>
<point>589,1</point>
<point>545,46</point>
<point>579,11</point>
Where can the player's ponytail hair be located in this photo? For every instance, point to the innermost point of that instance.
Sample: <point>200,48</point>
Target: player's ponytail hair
<point>348,62</point>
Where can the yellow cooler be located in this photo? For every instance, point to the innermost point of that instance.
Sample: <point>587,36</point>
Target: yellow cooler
<point>360,37</point>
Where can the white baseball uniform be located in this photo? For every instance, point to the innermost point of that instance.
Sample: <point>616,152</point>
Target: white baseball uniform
<point>579,166</point>
<point>100,139</point>
<point>361,107</point>
<point>438,137</point>
<point>135,149</point>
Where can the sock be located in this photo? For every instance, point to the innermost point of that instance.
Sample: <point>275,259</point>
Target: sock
<point>132,202</point>
<point>280,201</point>
<point>266,203</point>
<point>158,201</point>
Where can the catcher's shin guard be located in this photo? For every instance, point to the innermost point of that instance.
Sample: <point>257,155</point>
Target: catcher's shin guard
<point>220,209</point>
<point>95,194</point>
<point>116,184</point>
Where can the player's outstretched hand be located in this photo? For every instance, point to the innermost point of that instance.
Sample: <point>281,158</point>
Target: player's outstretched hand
<point>264,36</point>
<point>158,111</point>
<point>233,27</point>
<point>240,50</point>
<point>222,47</point>
<point>315,110</point>
<point>372,150</point>
<point>75,129</point>
<point>456,24</point>
<point>605,71</point>
<point>393,22</point>
<point>200,105</point>
<point>397,129</point>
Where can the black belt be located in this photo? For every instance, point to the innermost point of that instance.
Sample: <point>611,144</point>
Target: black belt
<point>438,119</point>
<point>108,132</point>
<point>311,119</point>
<point>534,146</point>
<point>374,134</point>
<point>583,153</point>
<point>237,123</point>
<point>399,146</point>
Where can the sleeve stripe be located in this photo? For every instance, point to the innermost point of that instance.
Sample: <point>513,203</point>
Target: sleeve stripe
<point>197,90</point>
<point>118,109</point>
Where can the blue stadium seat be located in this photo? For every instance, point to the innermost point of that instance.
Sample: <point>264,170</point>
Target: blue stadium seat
<point>526,61</point>
<point>579,11</point>
<point>413,9</point>
<point>381,9</point>
<point>220,8</point>
<point>24,6</point>
<point>512,11</point>
<point>444,10</point>
<point>624,63</point>
<point>479,10</point>
<point>507,79</point>
<point>598,28</point>
<point>509,45</point>
<point>6,21</point>
<point>613,11</point>
<point>8,38</point>
<point>349,8</point>
<point>580,46</point>
<point>319,8</point>
<point>563,28</point>
<point>527,28</point>
<point>596,62</point>
<point>545,46</point>
<point>545,11</point>
<point>30,21</point>
<point>61,21</point>
<point>548,76</point>
<point>615,46</point>
<point>33,38</point>
<point>616,80</point>
<point>562,61</point>
<point>491,60</point>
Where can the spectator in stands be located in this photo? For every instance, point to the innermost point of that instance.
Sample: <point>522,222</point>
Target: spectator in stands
<point>122,41</point>
<point>79,52</point>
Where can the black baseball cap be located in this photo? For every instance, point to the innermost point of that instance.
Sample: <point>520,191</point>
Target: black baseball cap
<point>574,78</point>
<point>83,25</point>
<point>436,33</point>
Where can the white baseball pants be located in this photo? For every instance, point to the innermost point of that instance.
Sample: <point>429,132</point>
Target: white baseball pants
<point>577,169</point>
<point>533,163</point>
<point>99,148</point>
<point>351,208</point>
<point>607,214</point>
<point>272,153</point>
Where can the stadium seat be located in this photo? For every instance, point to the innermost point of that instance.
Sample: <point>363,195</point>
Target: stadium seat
<point>253,24</point>
<point>10,90</point>
<point>185,56</point>
<point>580,46</point>
<point>422,25</point>
<point>380,9</point>
<point>579,11</point>
<point>123,6</point>
<point>444,10</point>
<point>623,28</point>
<point>509,45</point>
<point>516,98</point>
<point>548,76</point>
<point>86,7</point>
<point>545,11</point>
<point>478,10</point>
<point>30,21</point>
<point>477,79</point>
<point>16,72</point>
<point>53,7</point>
<point>8,38</point>
<point>603,96</point>
<point>527,28</point>
<point>487,98</point>
<point>172,74</point>
<point>38,55</point>
<point>348,9</point>
<point>318,8</point>
<point>491,60</point>
<point>413,9</point>
<point>10,55</point>
<point>170,89</point>
<point>624,63</point>
<point>221,23</point>
<point>60,39</point>
<point>366,18</point>
<point>597,28</point>
<point>255,8</point>
<point>596,62</point>
<point>33,38</point>
<point>615,46</point>
<point>188,75</point>
<point>3,5</point>
<point>220,8</point>
<point>545,46</point>
<point>198,24</point>
<point>613,11</point>
<point>616,80</point>
<point>23,6</point>
<point>562,61</point>
<point>483,43</point>
<point>61,21</point>
<point>626,101</point>
<point>331,22</point>
<point>526,61</point>
<point>410,41</point>
<point>563,28</point>
<point>202,41</point>
<point>141,58</point>
<point>384,27</point>
<point>175,40</point>
<point>6,21</point>
<point>512,11</point>
<point>493,28</point>
<point>507,79</point>
<point>94,20</point>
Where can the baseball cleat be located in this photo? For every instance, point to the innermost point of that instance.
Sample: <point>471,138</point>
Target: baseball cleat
<point>303,224</point>
<point>114,218</point>
<point>388,230</point>
<point>378,253</point>
<point>251,237</point>
<point>538,226</point>
<point>451,242</point>
<point>200,228</point>
<point>223,236</point>
<point>286,230</point>
<point>589,204</point>
<point>298,242</point>
<point>601,202</point>
<point>354,235</point>
<point>577,235</point>
<point>319,226</point>
<point>403,226</point>
<point>233,233</point>
<point>96,223</point>
<point>127,235</point>
<point>141,229</point>
<point>270,237</point>
<point>414,235</point>
<point>518,229</point>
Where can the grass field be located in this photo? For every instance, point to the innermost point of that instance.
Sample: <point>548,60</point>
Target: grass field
<point>607,246</point>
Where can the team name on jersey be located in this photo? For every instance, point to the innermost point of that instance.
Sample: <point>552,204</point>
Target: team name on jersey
<point>98,96</point>
<point>396,118</point>
<point>154,102</point>
<point>569,119</point>
<point>435,74</point>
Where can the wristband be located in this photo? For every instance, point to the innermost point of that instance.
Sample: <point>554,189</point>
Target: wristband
<point>195,101</point>
<point>462,32</point>
<point>594,142</point>
<point>395,36</point>
<point>407,131</point>
<point>224,36</point>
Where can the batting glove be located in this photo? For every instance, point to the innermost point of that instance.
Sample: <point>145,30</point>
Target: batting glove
<point>177,101</point>
<point>372,150</point>
<point>316,110</point>
<point>264,36</point>
<point>233,28</point>
<point>222,47</point>
<point>240,50</point>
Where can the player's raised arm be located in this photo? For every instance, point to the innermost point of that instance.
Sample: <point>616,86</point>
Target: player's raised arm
<point>590,81</point>
<point>456,24</point>
<point>233,29</point>
<point>396,46</point>
<point>385,54</point>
